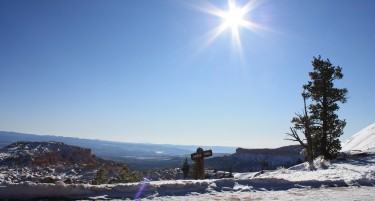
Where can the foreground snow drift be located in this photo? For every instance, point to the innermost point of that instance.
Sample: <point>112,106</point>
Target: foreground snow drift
<point>353,172</point>
<point>158,189</point>
<point>327,194</point>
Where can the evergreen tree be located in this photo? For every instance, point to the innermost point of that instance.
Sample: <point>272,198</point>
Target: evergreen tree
<point>123,173</point>
<point>136,176</point>
<point>185,168</point>
<point>305,124</point>
<point>230,170</point>
<point>99,177</point>
<point>126,175</point>
<point>325,97</point>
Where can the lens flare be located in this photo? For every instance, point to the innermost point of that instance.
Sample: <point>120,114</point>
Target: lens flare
<point>142,187</point>
<point>234,18</point>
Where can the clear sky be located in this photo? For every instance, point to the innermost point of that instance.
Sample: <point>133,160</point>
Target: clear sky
<point>154,71</point>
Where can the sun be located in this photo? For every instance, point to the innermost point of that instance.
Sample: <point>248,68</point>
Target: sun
<point>234,18</point>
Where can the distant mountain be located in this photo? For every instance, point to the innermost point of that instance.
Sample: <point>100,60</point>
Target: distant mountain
<point>139,156</point>
<point>363,141</point>
<point>99,147</point>
<point>281,151</point>
<point>250,160</point>
<point>113,149</point>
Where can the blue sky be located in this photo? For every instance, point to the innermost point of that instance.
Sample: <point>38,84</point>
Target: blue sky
<point>144,71</point>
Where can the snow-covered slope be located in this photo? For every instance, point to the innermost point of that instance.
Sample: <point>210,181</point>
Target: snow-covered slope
<point>363,141</point>
<point>356,171</point>
<point>51,162</point>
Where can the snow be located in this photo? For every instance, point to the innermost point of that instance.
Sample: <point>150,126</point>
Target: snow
<point>346,172</point>
<point>329,194</point>
<point>4,155</point>
<point>349,179</point>
<point>363,141</point>
<point>297,182</point>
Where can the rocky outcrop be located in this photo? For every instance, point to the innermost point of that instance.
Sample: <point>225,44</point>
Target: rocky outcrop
<point>250,160</point>
<point>46,154</point>
<point>48,162</point>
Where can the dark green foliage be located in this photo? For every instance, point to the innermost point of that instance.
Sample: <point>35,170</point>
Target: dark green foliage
<point>230,170</point>
<point>305,124</point>
<point>323,110</point>
<point>122,175</point>
<point>99,177</point>
<point>185,168</point>
<point>125,175</point>
<point>322,123</point>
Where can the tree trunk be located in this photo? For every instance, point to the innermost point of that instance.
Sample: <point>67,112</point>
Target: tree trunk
<point>324,136</point>
<point>308,135</point>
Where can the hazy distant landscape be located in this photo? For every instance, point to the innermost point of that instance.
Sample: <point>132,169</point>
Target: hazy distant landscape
<point>144,157</point>
<point>138,155</point>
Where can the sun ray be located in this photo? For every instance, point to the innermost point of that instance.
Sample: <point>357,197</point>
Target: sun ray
<point>234,18</point>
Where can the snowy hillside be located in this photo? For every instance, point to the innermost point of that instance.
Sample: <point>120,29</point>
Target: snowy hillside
<point>363,141</point>
<point>51,162</point>
<point>351,178</point>
<point>353,172</point>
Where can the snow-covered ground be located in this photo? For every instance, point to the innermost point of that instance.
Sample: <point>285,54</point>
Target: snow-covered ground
<point>327,194</point>
<point>346,175</point>
<point>349,179</point>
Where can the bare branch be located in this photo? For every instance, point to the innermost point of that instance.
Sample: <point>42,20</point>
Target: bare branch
<point>295,137</point>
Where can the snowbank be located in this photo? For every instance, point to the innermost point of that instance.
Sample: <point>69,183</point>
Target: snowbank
<point>327,194</point>
<point>354,171</point>
<point>363,141</point>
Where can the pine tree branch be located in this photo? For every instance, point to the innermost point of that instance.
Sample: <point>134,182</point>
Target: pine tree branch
<point>295,137</point>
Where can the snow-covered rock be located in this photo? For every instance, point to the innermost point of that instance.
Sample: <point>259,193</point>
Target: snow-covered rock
<point>50,162</point>
<point>245,160</point>
<point>363,141</point>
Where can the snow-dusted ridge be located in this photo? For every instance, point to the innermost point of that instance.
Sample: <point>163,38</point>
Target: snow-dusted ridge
<point>363,141</point>
<point>52,162</point>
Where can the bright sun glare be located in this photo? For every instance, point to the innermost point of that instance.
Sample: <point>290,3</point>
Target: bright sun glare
<point>233,18</point>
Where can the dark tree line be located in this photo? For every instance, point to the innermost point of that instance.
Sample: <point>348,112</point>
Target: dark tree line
<point>319,122</point>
